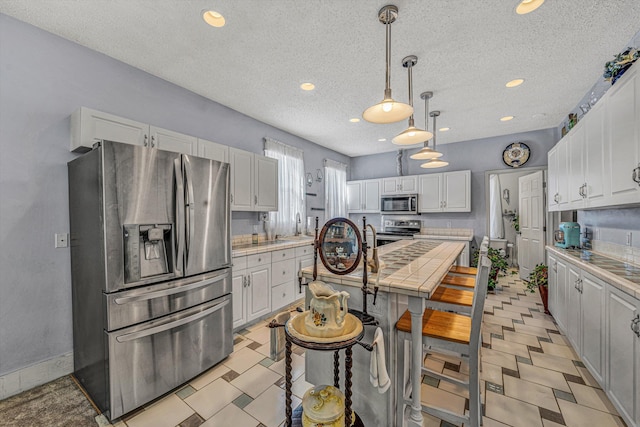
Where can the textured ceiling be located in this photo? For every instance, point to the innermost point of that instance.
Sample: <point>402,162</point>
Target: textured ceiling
<point>467,50</point>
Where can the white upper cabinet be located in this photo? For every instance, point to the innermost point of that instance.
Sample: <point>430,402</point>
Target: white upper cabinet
<point>552,184</point>
<point>445,192</point>
<point>89,126</point>
<point>363,196</point>
<point>623,115</point>
<point>596,156</point>
<point>400,185</point>
<point>213,150</point>
<point>254,181</point>
<point>169,140</point>
<point>563,174</point>
<point>576,170</point>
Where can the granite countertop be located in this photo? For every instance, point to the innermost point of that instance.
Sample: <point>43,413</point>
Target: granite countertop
<point>411,267</point>
<point>462,234</point>
<point>622,275</point>
<point>271,245</point>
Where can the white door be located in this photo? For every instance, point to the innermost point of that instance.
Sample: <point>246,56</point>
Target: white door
<point>258,291</point>
<point>241,179</point>
<point>238,283</point>
<point>552,184</point>
<point>576,173</point>
<point>354,196</point>
<point>563,174</point>
<point>212,150</point>
<point>390,186</point>
<point>371,196</point>
<point>592,316</point>
<point>169,140</point>
<point>531,205</point>
<point>265,184</point>
<point>408,184</point>
<point>561,295</point>
<point>573,308</point>
<point>456,192</point>
<point>430,195</point>
<point>596,150</point>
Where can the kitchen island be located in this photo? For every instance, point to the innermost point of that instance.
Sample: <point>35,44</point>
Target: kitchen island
<point>410,272</point>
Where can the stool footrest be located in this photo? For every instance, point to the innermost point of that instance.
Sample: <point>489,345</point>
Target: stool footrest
<point>458,269</point>
<point>440,376</point>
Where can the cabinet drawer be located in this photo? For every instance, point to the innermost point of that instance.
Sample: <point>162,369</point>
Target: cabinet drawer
<point>239,263</point>
<point>258,259</point>
<point>304,250</point>
<point>283,254</point>
<point>281,295</point>
<point>283,272</point>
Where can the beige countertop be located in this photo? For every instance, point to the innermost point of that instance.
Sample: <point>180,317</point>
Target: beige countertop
<point>622,275</point>
<point>410,267</point>
<point>268,246</point>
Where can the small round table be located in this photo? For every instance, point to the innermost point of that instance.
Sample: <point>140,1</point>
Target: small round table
<point>335,347</point>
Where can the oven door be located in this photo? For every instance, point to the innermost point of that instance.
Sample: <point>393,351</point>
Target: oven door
<point>148,360</point>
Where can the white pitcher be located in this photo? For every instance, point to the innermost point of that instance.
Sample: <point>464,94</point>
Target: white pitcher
<point>325,318</point>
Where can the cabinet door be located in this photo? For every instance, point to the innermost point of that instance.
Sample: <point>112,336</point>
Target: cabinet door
<point>212,150</point>
<point>456,191</point>
<point>553,283</point>
<point>408,184</point>
<point>552,187</point>
<point>623,353</point>
<point>89,126</point>
<point>573,308</point>
<point>576,172</point>
<point>173,141</point>
<point>563,174</point>
<point>390,186</point>
<point>241,179</point>
<point>592,331</point>
<point>265,184</point>
<point>622,120</point>
<point>354,196</point>
<point>258,292</point>
<point>238,283</point>
<point>562,280</point>
<point>596,152</point>
<point>430,192</point>
<point>371,195</point>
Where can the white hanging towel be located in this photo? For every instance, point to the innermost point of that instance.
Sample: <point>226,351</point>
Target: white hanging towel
<point>496,225</point>
<point>378,369</point>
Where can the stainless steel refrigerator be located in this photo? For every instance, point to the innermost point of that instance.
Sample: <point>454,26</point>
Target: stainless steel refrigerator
<point>151,271</point>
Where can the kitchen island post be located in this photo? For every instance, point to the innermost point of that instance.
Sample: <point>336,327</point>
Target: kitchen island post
<point>410,272</point>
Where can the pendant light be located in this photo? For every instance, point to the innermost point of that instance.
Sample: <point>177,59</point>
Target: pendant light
<point>388,110</point>
<point>426,153</point>
<point>434,163</point>
<point>411,135</point>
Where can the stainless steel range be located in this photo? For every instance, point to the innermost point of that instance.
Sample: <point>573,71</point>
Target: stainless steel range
<point>395,229</point>
<point>150,265</point>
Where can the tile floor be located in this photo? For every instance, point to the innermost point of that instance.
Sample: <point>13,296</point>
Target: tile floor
<point>530,378</point>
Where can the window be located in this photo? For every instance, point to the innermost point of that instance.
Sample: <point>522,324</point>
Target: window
<point>290,187</point>
<point>335,189</point>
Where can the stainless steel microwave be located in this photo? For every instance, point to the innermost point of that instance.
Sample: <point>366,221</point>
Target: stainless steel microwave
<point>399,204</point>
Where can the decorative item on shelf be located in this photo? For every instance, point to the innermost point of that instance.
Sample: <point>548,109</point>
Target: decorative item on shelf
<point>309,179</point>
<point>319,175</point>
<point>516,154</point>
<point>573,120</point>
<point>426,153</point>
<point>539,279</point>
<point>411,135</point>
<point>621,63</point>
<point>388,110</point>
<point>505,195</point>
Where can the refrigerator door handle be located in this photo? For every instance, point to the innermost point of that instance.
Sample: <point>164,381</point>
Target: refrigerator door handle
<point>179,230</point>
<point>161,328</point>
<point>189,216</point>
<point>167,292</point>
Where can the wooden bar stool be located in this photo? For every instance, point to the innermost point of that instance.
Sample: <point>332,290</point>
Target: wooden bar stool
<point>464,278</point>
<point>445,332</point>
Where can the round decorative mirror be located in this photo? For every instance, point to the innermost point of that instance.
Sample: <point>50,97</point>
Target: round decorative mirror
<point>340,246</point>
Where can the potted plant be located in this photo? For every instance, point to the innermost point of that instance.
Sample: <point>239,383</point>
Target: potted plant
<point>515,221</point>
<point>498,264</point>
<point>539,279</point>
<point>622,61</point>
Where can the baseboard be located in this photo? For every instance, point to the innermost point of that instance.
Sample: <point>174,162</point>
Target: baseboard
<point>35,375</point>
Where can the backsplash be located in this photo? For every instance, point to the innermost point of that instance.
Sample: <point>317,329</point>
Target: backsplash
<point>628,254</point>
<point>614,232</point>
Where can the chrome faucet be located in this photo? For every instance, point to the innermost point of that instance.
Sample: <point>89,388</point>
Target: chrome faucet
<point>298,223</point>
<point>374,261</point>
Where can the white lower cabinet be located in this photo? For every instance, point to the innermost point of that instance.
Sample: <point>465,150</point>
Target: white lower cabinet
<point>622,348</point>
<point>238,285</point>
<point>258,291</point>
<point>602,324</point>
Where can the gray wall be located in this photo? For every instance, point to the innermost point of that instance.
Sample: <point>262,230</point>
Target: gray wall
<point>478,155</point>
<point>613,224</point>
<point>43,79</point>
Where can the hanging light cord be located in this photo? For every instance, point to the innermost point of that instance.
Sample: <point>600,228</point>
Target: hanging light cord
<point>387,87</point>
<point>410,79</point>
<point>426,122</point>
<point>434,132</point>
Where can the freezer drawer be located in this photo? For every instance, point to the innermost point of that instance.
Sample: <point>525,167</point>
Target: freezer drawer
<point>128,308</point>
<point>153,358</point>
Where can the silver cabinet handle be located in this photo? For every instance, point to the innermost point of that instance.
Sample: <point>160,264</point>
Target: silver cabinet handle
<point>635,325</point>
<point>244,281</point>
<point>153,141</point>
<point>635,175</point>
<point>172,291</point>
<point>284,272</point>
<point>445,203</point>
<point>146,138</point>
<point>255,200</point>
<point>232,198</point>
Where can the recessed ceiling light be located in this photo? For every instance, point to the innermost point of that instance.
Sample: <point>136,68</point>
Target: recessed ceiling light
<point>514,83</point>
<point>307,86</point>
<point>506,118</point>
<point>213,18</point>
<point>382,139</point>
<point>354,120</point>
<point>527,6</point>
<point>444,129</point>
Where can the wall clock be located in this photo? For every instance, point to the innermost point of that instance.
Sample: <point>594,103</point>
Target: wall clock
<point>516,154</point>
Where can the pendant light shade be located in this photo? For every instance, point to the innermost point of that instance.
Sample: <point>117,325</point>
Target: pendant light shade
<point>426,153</point>
<point>436,162</point>
<point>388,110</point>
<point>412,135</point>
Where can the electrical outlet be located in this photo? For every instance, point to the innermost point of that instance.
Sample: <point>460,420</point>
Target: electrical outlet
<point>629,235</point>
<point>264,216</point>
<point>448,224</point>
<point>62,240</point>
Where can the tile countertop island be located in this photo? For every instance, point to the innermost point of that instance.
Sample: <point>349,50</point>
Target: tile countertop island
<point>411,271</point>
